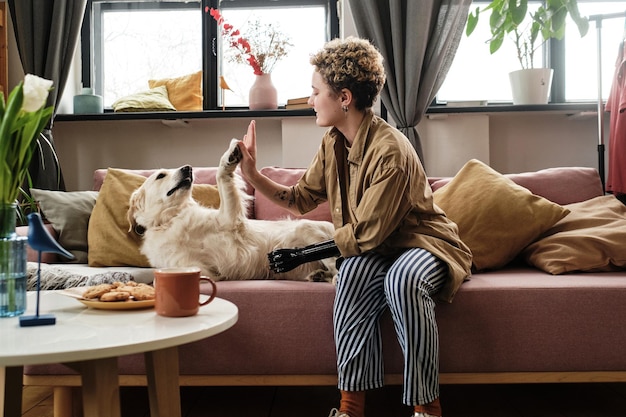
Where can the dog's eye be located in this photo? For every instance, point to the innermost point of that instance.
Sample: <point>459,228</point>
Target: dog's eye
<point>160,176</point>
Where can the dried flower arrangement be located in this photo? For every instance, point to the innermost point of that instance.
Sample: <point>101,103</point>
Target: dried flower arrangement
<point>261,46</point>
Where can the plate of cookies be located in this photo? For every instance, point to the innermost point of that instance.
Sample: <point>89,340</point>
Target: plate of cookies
<point>116,296</point>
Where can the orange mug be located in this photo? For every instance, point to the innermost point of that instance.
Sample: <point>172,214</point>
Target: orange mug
<point>178,291</point>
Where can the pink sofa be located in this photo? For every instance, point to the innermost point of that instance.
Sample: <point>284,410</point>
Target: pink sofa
<point>516,324</point>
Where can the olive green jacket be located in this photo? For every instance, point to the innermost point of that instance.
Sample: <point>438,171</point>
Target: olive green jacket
<point>380,199</point>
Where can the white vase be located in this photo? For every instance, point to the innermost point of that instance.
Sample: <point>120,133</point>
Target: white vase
<point>531,86</point>
<point>263,94</point>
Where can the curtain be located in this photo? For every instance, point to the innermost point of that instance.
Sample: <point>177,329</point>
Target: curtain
<point>47,32</point>
<point>418,40</point>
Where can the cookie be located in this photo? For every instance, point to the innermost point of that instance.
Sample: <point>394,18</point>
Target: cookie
<point>143,292</point>
<point>125,284</point>
<point>115,296</point>
<point>126,288</point>
<point>97,291</point>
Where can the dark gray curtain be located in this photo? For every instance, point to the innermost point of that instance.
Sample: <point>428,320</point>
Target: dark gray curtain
<point>418,40</point>
<point>47,32</point>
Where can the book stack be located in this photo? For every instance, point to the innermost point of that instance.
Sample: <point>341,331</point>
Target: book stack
<point>297,103</point>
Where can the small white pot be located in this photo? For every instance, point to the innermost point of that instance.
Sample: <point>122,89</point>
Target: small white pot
<point>531,86</point>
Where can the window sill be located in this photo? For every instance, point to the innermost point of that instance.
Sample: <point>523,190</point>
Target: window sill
<point>206,114</point>
<point>561,108</point>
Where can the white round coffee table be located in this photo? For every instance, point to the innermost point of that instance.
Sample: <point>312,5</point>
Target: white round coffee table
<point>90,341</point>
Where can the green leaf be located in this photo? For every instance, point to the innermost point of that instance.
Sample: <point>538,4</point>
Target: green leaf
<point>496,20</point>
<point>472,21</point>
<point>518,11</point>
<point>496,43</point>
<point>582,23</point>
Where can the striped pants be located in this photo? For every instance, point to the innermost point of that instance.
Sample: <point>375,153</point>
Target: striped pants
<point>366,285</point>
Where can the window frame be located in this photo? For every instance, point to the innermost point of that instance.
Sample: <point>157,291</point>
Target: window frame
<point>91,66</point>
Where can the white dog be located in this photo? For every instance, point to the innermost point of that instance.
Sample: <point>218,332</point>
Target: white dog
<point>223,242</point>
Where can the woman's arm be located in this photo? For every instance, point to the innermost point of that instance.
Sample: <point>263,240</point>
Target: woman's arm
<point>280,194</point>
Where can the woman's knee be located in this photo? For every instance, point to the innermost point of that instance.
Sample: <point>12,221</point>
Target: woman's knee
<point>416,270</point>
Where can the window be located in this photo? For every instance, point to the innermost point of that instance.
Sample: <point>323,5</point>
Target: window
<point>477,75</point>
<point>134,41</point>
<point>581,54</point>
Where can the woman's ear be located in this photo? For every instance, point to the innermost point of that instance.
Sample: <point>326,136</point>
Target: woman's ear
<point>345,96</point>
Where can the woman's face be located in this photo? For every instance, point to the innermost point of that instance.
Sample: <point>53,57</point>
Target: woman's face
<point>325,102</point>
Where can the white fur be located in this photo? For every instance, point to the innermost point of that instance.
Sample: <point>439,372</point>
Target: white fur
<point>223,242</point>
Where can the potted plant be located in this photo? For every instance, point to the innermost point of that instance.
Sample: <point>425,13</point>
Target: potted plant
<point>528,31</point>
<point>22,118</point>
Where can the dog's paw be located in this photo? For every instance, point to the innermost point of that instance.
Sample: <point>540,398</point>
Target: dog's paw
<point>235,156</point>
<point>232,156</point>
<point>320,275</point>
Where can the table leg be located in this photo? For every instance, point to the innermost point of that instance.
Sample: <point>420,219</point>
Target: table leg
<point>101,391</point>
<point>11,380</point>
<point>163,387</point>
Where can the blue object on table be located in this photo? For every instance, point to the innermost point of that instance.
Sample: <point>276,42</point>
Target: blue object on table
<point>40,240</point>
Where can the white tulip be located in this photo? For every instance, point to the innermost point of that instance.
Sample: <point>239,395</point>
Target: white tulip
<point>35,92</point>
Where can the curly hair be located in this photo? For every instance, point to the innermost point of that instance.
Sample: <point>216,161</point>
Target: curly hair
<point>352,63</point>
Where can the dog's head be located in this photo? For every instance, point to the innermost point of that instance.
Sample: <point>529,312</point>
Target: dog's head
<point>159,198</point>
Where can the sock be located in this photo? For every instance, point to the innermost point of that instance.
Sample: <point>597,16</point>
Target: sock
<point>353,403</point>
<point>433,408</point>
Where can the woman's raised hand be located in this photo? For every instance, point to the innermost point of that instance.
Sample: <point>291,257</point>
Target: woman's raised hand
<point>248,150</point>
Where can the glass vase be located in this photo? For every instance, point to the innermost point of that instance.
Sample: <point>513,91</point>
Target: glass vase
<point>263,94</point>
<point>12,264</point>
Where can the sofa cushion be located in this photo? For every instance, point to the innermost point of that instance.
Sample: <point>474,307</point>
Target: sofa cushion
<point>496,217</point>
<point>154,99</point>
<point>519,319</point>
<point>201,175</point>
<point>561,185</point>
<point>184,92</point>
<point>591,238</point>
<point>69,214</point>
<point>266,209</point>
<point>110,243</point>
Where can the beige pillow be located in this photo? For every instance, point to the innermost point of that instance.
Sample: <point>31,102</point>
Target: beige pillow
<point>69,213</point>
<point>184,92</point>
<point>496,217</point>
<point>591,238</point>
<point>110,243</point>
<point>155,99</point>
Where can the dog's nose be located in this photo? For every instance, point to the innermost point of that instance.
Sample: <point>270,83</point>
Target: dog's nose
<point>186,170</point>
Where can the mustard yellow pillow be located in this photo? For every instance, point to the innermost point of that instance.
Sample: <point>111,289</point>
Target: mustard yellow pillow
<point>155,99</point>
<point>591,238</point>
<point>110,243</point>
<point>184,92</point>
<point>496,217</point>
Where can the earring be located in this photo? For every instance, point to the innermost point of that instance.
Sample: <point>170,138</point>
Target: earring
<point>344,108</point>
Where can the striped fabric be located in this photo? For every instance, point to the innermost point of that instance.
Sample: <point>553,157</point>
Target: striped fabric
<point>366,285</point>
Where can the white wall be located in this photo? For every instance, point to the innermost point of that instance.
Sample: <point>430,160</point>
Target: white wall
<point>509,142</point>
<point>85,146</point>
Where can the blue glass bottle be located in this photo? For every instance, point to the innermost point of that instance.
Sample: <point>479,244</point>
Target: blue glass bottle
<point>12,264</point>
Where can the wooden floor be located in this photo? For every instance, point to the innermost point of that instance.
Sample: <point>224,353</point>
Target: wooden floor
<point>536,400</point>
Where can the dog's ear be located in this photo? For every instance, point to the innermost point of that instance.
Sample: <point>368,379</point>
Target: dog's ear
<point>136,203</point>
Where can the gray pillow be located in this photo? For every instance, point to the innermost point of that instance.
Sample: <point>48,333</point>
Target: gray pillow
<point>68,212</point>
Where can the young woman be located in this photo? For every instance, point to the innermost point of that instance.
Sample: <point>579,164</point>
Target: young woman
<point>399,248</point>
